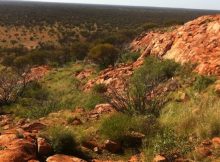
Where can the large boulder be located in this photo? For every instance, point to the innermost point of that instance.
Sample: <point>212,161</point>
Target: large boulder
<point>63,158</point>
<point>14,149</point>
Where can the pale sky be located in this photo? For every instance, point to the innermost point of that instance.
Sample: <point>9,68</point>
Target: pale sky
<point>199,4</point>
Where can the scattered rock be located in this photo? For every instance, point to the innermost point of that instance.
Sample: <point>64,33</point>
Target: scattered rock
<point>63,158</point>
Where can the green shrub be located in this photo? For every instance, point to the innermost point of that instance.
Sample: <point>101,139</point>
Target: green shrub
<point>129,57</point>
<point>133,100</point>
<point>27,108</point>
<point>79,51</point>
<point>118,126</point>
<point>91,100</point>
<point>62,140</point>
<point>202,82</point>
<point>100,88</point>
<point>167,143</point>
<point>36,91</point>
<point>104,55</point>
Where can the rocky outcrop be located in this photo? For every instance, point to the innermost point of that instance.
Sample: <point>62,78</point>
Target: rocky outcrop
<point>196,42</point>
<point>114,77</point>
<point>37,73</point>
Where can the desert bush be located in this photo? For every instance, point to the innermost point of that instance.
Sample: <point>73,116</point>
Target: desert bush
<point>62,140</point>
<point>129,57</point>
<point>118,126</point>
<point>91,100</point>
<point>35,109</point>
<point>104,55</point>
<point>79,50</point>
<point>36,91</point>
<point>134,99</point>
<point>202,82</point>
<point>10,86</point>
<point>149,26</point>
<point>168,144</point>
<point>100,88</point>
<point>8,60</point>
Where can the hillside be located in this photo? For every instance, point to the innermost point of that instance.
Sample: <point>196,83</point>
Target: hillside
<point>161,105</point>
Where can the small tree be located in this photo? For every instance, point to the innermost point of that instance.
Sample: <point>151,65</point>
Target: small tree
<point>104,55</point>
<point>10,86</point>
<point>79,50</point>
<point>22,67</point>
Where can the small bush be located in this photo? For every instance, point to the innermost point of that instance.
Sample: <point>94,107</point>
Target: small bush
<point>202,82</point>
<point>35,109</point>
<point>118,126</point>
<point>62,140</point>
<point>100,88</point>
<point>168,144</point>
<point>104,55</point>
<point>36,91</point>
<point>92,100</point>
<point>133,100</point>
<point>129,57</point>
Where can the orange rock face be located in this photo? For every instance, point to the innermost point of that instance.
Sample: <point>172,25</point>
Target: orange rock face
<point>196,42</point>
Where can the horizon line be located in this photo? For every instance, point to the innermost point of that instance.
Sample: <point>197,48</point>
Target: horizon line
<point>99,4</point>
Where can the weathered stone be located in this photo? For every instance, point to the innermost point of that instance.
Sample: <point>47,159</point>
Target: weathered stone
<point>63,158</point>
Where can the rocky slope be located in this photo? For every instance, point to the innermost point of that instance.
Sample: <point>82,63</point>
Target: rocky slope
<point>196,42</point>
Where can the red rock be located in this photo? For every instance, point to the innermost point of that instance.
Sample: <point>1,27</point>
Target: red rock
<point>63,158</point>
<point>18,150</point>
<point>159,158</point>
<point>216,142</point>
